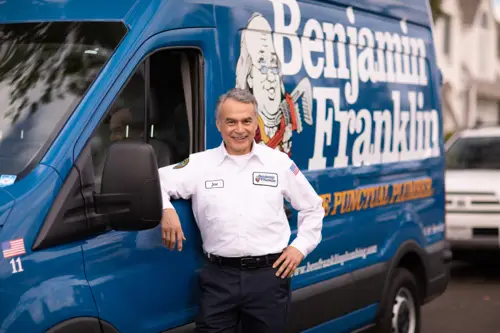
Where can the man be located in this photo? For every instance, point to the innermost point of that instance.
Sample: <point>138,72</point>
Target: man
<point>237,192</point>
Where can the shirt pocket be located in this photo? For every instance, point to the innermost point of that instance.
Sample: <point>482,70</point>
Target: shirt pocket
<point>267,202</point>
<point>213,206</point>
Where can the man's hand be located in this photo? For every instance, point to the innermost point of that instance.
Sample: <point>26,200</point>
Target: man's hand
<point>171,229</point>
<point>289,260</point>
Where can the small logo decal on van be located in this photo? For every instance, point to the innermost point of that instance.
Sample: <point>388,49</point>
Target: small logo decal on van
<point>6,180</point>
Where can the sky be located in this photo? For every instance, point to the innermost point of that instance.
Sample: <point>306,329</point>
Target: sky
<point>497,7</point>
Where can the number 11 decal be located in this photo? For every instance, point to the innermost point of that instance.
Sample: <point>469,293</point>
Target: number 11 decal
<point>17,266</point>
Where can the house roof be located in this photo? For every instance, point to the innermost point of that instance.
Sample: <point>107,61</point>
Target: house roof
<point>469,10</point>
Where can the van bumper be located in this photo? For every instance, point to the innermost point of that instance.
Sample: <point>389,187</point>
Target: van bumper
<point>438,269</point>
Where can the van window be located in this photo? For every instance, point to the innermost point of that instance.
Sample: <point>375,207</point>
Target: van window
<point>45,69</point>
<point>157,105</point>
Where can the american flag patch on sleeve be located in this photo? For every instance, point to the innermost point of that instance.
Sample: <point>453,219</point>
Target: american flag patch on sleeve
<point>294,169</point>
<point>13,248</point>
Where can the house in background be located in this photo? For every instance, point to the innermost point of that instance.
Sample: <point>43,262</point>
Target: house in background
<point>467,45</point>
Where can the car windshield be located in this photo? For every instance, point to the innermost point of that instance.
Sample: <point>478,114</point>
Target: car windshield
<point>45,70</point>
<point>474,153</point>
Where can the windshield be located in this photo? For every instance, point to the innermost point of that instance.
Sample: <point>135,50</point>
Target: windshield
<point>474,153</point>
<point>45,69</point>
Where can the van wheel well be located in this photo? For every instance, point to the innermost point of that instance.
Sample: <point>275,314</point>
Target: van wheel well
<point>412,262</point>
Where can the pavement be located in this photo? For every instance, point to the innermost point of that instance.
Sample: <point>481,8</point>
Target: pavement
<point>471,304</point>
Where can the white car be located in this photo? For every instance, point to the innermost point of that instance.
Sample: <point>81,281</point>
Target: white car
<point>473,190</point>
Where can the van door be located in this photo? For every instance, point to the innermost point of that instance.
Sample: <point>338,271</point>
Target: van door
<point>139,285</point>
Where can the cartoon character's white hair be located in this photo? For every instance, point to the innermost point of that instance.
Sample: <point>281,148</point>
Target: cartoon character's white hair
<point>244,64</point>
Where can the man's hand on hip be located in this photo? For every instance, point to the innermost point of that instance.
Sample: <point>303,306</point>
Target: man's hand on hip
<point>288,262</point>
<point>171,229</point>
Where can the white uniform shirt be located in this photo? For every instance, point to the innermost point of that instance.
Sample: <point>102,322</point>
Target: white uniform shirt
<point>238,201</point>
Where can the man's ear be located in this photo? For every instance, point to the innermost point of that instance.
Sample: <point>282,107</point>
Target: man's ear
<point>217,123</point>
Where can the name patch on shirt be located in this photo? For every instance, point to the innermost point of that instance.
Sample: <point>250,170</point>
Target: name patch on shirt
<point>265,179</point>
<point>209,184</point>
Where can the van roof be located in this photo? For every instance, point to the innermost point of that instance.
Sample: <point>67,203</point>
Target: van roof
<point>64,10</point>
<point>88,10</point>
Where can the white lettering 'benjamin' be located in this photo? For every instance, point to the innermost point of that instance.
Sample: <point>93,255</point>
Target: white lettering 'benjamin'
<point>399,59</point>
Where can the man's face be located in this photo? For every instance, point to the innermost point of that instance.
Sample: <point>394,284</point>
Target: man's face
<point>237,123</point>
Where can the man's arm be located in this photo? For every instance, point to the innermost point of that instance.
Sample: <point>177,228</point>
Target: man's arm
<point>303,198</point>
<point>177,182</point>
<point>309,205</point>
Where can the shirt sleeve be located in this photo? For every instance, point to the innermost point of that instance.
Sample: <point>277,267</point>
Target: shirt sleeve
<point>177,181</point>
<point>303,198</point>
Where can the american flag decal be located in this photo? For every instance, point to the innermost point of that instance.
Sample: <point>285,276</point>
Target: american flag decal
<point>294,169</point>
<point>13,248</point>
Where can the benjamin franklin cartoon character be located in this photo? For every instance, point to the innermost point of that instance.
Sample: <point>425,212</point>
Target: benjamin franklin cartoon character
<point>259,71</point>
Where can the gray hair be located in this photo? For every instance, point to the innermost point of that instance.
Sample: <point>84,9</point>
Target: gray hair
<point>237,94</point>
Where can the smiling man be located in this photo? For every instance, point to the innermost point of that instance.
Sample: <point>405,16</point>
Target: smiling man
<point>238,190</point>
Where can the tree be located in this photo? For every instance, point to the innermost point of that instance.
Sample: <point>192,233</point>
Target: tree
<point>41,62</point>
<point>435,8</point>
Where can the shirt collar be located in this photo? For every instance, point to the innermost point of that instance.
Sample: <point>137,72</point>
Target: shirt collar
<point>256,151</point>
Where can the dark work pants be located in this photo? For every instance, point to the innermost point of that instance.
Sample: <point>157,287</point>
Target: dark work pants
<point>255,300</point>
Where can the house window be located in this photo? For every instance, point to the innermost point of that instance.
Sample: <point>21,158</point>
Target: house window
<point>447,34</point>
<point>484,21</point>
<point>484,43</point>
<point>498,113</point>
<point>498,46</point>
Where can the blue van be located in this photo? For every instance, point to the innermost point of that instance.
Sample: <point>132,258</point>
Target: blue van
<point>96,96</point>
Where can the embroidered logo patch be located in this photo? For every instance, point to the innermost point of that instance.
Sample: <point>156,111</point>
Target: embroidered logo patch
<point>182,164</point>
<point>209,184</point>
<point>265,179</point>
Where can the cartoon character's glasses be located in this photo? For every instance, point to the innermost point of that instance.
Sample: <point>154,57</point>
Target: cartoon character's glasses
<point>265,69</point>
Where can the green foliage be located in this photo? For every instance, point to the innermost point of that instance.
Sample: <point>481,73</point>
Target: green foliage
<point>435,8</point>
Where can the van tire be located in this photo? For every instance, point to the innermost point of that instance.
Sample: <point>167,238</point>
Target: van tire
<point>402,301</point>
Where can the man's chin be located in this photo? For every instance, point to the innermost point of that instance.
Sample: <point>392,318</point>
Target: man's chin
<point>241,145</point>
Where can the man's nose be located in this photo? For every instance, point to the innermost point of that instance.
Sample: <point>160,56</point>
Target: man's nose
<point>240,128</point>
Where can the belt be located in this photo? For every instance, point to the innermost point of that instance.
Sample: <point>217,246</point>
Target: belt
<point>245,263</point>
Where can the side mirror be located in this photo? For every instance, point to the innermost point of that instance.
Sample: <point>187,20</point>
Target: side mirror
<point>130,187</point>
